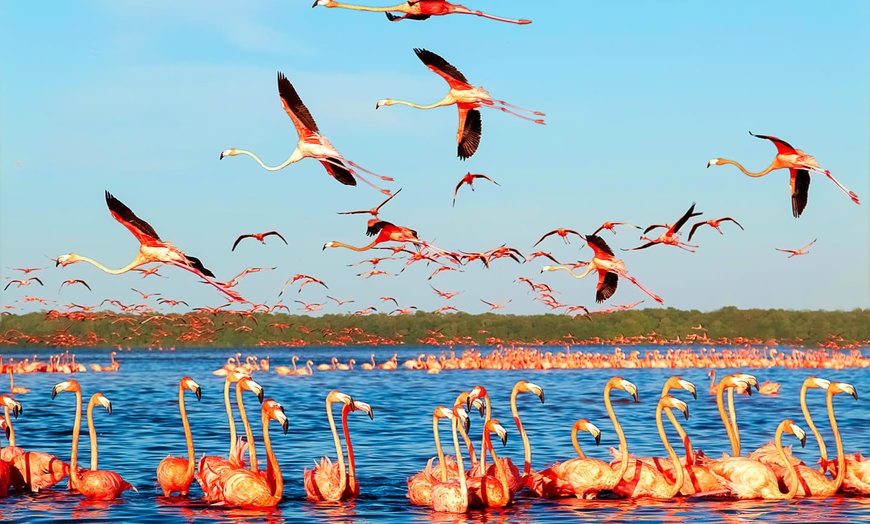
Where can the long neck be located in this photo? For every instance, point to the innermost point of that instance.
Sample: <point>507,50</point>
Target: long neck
<point>733,415</point>
<point>400,8</point>
<point>92,434</point>
<point>418,106</point>
<point>469,445</point>
<point>9,425</point>
<point>188,436</point>
<point>623,445</point>
<point>678,468</point>
<point>463,487</point>
<point>340,452</point>
<point>487,416</point>
<point>351,469</point>
<point>293,360</point>
<point>11,385</point>
<point>500,473</point>
<point>795,480</point>
<point>735,449</point>
<point>364,248</point>
<point>823,451</point>
<point>438,447</point>
<point>576,443</point>
<point>230,418</point>
<point>138,261</point>
<point>73,459</point>
<point>770,168</point>
<point>527,448</point>
<point>684,438</point>
<point>252,448</point>
<point>841,459</point>
<point>294,157</point>
<point>273,462</point>
<point>712,380</point>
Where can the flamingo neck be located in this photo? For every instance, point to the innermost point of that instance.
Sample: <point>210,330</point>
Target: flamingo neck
<point>9,425</point>
<point>823,451</point>
<point>791,467</point>
<point>678,468</point>
<point>272,461</point>
<point>188,436</point>
<point>293,360</point>
<point>500,473</point>
<point>576,443</point>
<point>138,261</point>
<point>252,448</point>
<point>771,167</point>
<point>469,445</point>
<point>351,468</point>
<point>438,447</point>
<point>364,248</point>
<point>623,445</point>
<point>92,434</point>
<point>735,449</point>
<point>294,157</point>
<point>713,380</point>
<point>77,426</point>
<point>442,102</point>
<point>487,416</point>
<point>841,459</point>
<point>733,415</point>
<point>403,8</point>
<point>684,438</point>
<point>527,447</point>
<point>463,486</point>
<point>230,417</point>
<point>338,450</point>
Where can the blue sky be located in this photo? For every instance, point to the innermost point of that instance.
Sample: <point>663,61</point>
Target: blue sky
<point>139,98</point>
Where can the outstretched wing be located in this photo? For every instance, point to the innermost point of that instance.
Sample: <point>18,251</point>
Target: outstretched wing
<point>491,180</point>
<point>236,243</point>
<point>598,245</point>
<point>143,231</point>
<point>683,219</point>
<point>277,234</point>
<point>337,170</point>
<point>695,226</point>
<point>782,147</point>
<point>732,220</point>
<point>294,107</point>
<point>607,283</point>
<point>443,68</point>
<point>653,226</point>
<point>644,246</point>
<point>800,189</point>
<point>470,140</point>
<point>197,265</point>
<point>375,227</point>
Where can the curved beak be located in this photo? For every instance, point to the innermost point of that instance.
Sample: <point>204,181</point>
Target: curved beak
<point>500,431</point>
<point>598,439</point>
<point>362,406</point>
<point>686,412</point>
<point>58,388</point>
<point>314,4</point>
<point>198,392</point>
<point>481,407</point>
<point>537,390</point>
<point>56,263</point>
<point>688,386</point>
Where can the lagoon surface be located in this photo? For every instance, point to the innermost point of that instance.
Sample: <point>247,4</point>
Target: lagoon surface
<point>145,427</point>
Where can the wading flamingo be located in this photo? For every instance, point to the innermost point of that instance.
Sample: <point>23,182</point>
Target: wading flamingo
<point>469,179</point>
<point>352,490</point>
<point>259,236</point>
<point>797,252</point>
<point>467,99</point>
<point>517,481</point>
<point>151,249</point>
<point>714,224</point>
<point>799,165</point>
<point>452,496</point>
<point>609,270</point>
<point>311,142</point>
<point>420,485</point>
<point>241,488</point>
<point>492,488</point>
<point>419,10</point>
<point>328,480</point>
<point>29,470</point>
<point>857,476</point>
<point>94,484</point>
<point>671,235</point>
<point>176,473</point>
<point>13,389</point>
<point>587,476</point>
<point>545,483</point>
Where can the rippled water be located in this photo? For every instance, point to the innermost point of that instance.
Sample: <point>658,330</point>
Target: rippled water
<point>145,426</point>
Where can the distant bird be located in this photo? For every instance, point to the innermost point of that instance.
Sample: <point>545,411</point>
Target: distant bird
<point>493,306</point>
<point>22,283</point>
<point>799,165</point>
<point>74,281</point>
<point>389,299</point>
<point>259,236</point>
<point>144,295</point>
<point>714,223</point>
<point>172,303</point>
<point>27,269</point>
<point>445,294</point>
<point>797,252</point>
<point>469,179</point>
<point>339,302</point>
<point>375,210</point>
<point>311,142</point>
<point>671,236</point>
<point>466,97</point>
<point>537,254</point>
<point>151,249</point>
<point>419,10</point>
<point>612,225</point>
<point>562,232</point>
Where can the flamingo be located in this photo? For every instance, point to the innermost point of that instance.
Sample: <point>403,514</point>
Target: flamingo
<point>94,484</point>
<point>247,489</point>
<point>609,270</point>
<point>714,224</point>
<point>467,99</point>
<point>420,485</point>
<point>151,249</point>
<point>352,490</point>
<point>13,389</point>
<point>25,282</point>
<point>373,211</point>
<point>384,231</point>
<point>797,252</point>
<point>492,488</point>
<point>612,225</point>
<point>452,495</point>
<point>769,388</point>
<point>670,236</point>
<point>469,179</point>
<point>72,281</point>
<point>176,473</point>
<point>517,482</point>
<point>799,165</point>
<point>311,142</point>
<point>259,236</point>
<point>247,383</point>
<point>419,10</point>
<point>857,469</point>
<point>5,466</point>
<point>328,480</point>
<point>584,477</point>
<point>562,232</point>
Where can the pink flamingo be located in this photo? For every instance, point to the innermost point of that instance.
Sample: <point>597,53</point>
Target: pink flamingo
<point>352,490</point>
<point>29,470</point>
<point>176,473</point>
<point>328,480</point>
<point>452,496</point>
<point>419,10</point>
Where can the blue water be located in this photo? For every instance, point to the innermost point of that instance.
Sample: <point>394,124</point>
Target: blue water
<point>145,427</point>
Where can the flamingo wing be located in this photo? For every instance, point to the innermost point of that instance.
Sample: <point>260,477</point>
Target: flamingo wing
<point>294,107</point>
<point>337,170</point>
<point>599,246</point>
<point>607,282</point>
<point>277,234</point>
<point>654,226</point>
<point>443,68</point>
<point>140,229</point>
<point>388,199</point>
<point>496,183</point>
<point>800,188</point>
<point>37,279</point>
<point>393,18</point>
<point>82,282</point>
<point>470,140</point>
<point>695,226</point>
<point>644,246</point>
<point>236,243</point>
<point>683,219</point>
<point>782,147</point>
<point>808,245</point>
<point>196,264</point>
<point>375,227</point>
<point>730,219</point>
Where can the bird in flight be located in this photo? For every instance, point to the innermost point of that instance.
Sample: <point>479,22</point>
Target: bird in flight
<point>671,235</point>
<point>612,225</point>
<point>22,283</point>
<point>259,236</point>
<point>493,306</point>
<point>714,223</point>
<point>375,210</point>
<point>418,10</point>
<point>27,269</point>
<point>469,179</point>
<point>799,165</point>
<point>151,249</point>
<point>73,281</point>
<point>467,99</point>
<point>561,232</point>
<point>311,142</point>
<point>797,252</point>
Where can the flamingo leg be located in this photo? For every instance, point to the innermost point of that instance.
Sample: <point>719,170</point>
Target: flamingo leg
<point>645,290</point>
<point>503,103</point>
<point>462,10</point>
<point>235,297</point>
<point>508,111</point>
<point>827,173</point>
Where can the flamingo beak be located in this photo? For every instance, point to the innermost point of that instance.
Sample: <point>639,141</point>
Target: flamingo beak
<point>855,393</point>
<point>362,406</point>
<point>479,405</point>
<point>58,388</point>
<point>688,386</point>
<point>598,439</point>
<point>314,4</point>
<point>500,431</point>
<point>687,412</point>
<point>7,430</point>
<point>537,390</point>
<point>198,392</point>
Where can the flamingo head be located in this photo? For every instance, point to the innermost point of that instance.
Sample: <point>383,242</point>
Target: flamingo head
<point>103,401</point>
<point>460,415</point>
<point>12,404</point>
<point>228,152</point>
<point>668,401</point>
<point>275,411</point>
<point>788,426</point>
<point>4,427</point>
<point>67,385</point>
<point>337,396</point>
<point>842,387</point>
<point>325,3</point>
<point>384,102</point>
<point>477,392</point>
<point>547,268</point>
<point>65,260</point>
<point>816,382</point>
<point>714,162</point>
<point>362,406</point>
<point>476,403</point>
<point>527,387</point>
<point>749,379</point>
<point>493,426</point>
<point>585,425</point>
<point>621,383</point>
<point>329,244</point>
<point>679,383</point>
<point>248,383</point>
<point>188,383</point>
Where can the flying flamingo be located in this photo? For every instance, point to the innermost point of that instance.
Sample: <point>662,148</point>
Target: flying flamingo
<point>94,484</point>
<point>562,232</point>
<point>469,179</point>
<point>151,249</point>
<point>259,236</point>
<point>419,10</point>
<point>176,473</point>
<point>612,225</point>
<point>246,489</point>
<point>373,211</point>
<point>452,495</point>
<point>27,270</point>
<point>328,480</point>
<point>493,307</point>
<point>799,165</point>
<point>384,231</point>
<point>352,490</point>
<point>73,281</point>
<point>714,224</point>
<point>311,142</point>
<point>670,236</point>
<point>797,252</point>
<point>145,296</point>
<point>25,282</point>
<point>467,99</point>
<point>609,270</point>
